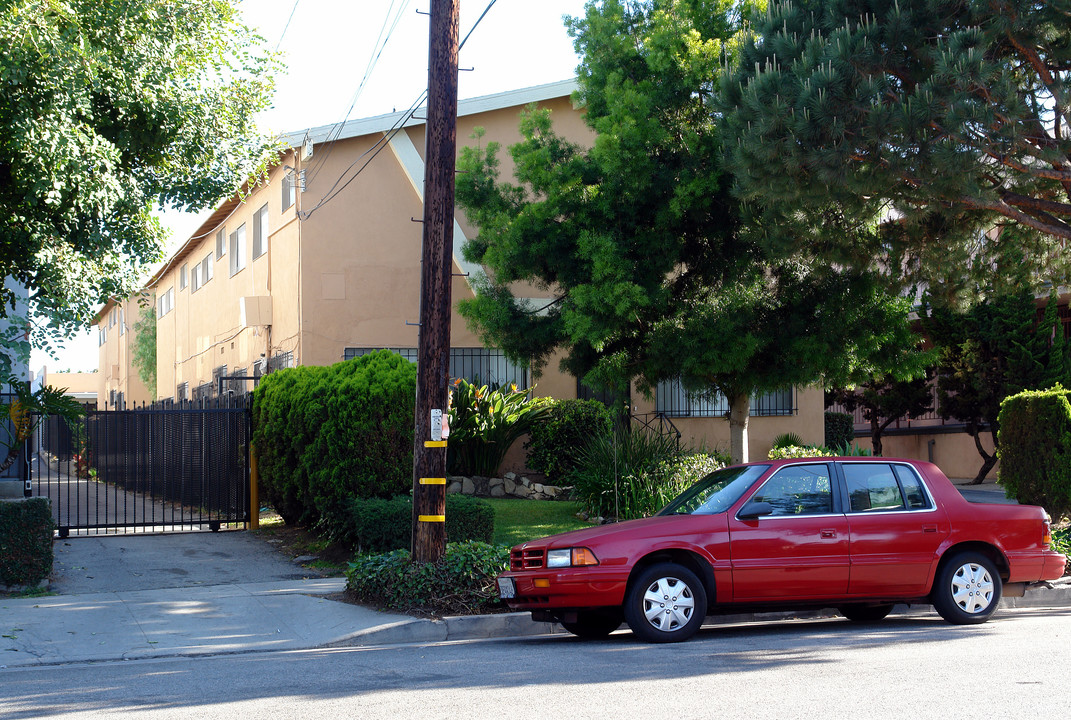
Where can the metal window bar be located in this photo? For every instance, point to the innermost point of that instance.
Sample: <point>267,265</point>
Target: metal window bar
<point>674,401</point>
<point>483,365</point>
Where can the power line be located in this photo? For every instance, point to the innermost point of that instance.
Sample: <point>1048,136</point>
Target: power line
<point>287,26</point>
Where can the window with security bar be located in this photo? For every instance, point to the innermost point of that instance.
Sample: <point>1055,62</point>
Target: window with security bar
<point>482,365</point>
<point>672,399</point>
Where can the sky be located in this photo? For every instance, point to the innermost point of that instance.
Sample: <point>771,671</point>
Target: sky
<point>328,47</point>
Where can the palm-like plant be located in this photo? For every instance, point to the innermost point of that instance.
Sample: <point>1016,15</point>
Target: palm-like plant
<point>485,422</point>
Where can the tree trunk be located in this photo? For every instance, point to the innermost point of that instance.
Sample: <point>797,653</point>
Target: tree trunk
<point>739,412</point>
<point>988,461</point>
<point>12,455</point>
<point>875,435</point>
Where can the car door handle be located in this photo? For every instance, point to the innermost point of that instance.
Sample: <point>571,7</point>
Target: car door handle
<point>829,533</point>
<point>929,528</point>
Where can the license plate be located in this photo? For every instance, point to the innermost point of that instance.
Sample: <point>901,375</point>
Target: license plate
<point>507,588</point>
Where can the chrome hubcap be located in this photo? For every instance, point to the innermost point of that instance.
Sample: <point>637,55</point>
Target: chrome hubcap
<point>972,588</point>
<point>668,604</point>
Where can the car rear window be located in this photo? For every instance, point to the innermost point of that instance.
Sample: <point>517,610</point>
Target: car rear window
<point>877,487</point>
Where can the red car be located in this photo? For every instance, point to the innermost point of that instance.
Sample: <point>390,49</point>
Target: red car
<point>858,534</point>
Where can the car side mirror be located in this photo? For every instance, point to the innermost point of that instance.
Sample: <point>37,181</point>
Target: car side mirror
<point>755,509</point>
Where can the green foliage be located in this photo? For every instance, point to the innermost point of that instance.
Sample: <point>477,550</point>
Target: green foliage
<point>485,423</point>
<point>461,582</point>
<point>910,127</point>
<point>987,352</point>
<point>1035,449</point>
<point>555,443</point>
<point>109,109</point>
<point>25,541</point>
<point>325,435</point>
<point>839,429</point>
<point>850,450</point>
<point>27,410</point>
<point>143,352</point>
<point>1051,336</point>
<point>635,474</point>
<point>378,525</point>
<point>884,400</point>
<point>1061,543</point>
<point>805,451</point>
<point>787,440</point>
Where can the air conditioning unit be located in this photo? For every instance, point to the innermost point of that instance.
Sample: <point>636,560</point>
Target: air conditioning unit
<point>254,311</point>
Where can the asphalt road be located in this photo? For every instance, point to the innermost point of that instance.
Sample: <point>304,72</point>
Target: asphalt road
<point>906,667</point>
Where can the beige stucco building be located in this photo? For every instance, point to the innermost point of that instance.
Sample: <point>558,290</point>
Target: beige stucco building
<point>320,261</point>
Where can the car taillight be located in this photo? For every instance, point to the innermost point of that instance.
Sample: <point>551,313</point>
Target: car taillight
<point>1046,535</point>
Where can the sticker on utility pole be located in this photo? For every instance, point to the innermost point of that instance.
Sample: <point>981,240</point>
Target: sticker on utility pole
<point>437,424</point>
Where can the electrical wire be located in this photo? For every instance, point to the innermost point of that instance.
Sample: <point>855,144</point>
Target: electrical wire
<point>287,26</point>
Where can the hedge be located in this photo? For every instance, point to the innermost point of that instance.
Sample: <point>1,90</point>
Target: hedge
<point>1035,448</point>
<point>25,542</point>
<point>840,429</point>
<point>380,525</point>
<point>554,444</point>
<point>326,435</point>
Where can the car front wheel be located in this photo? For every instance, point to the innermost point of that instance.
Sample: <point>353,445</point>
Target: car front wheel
<point>967,589</point>
<point>594,624</point>
<point>665,603</point>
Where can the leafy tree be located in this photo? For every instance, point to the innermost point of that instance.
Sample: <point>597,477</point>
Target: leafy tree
<point>143,355</point>
<point>1053,339</point>
<point>27,410</point>
<point>909,126</point>
<point>886,400</point>
<point>654,269</point>
<point>108,108</point>
<point>987,352</point>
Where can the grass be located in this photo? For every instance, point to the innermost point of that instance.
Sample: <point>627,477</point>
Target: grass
<point>519,520</point>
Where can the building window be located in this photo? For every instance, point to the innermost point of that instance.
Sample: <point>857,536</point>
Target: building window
<point>122,323</point>
<point>203,391</point>
<point>477,365</point>
<point>289,189</point>
<point>207,271</point>
<point>166,302</point>
<point>281,361</point>
<point>260,232</point>
<point>221,242</point>
<point>238,249</point>
<point>111,318</point>
<point>183,275</point>
<point>195,285</point>
<point>102,336</point>
<point>182,392</point>
<point>672,399</point>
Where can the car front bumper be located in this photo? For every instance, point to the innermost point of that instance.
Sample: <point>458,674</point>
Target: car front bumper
<point>566,588</point>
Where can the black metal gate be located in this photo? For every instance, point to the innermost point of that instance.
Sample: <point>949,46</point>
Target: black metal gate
<point>150,469</point>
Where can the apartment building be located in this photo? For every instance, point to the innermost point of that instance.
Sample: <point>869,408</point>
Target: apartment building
<point>320,262</point>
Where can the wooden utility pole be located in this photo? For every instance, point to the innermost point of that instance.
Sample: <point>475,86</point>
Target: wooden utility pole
<point>433,355</point>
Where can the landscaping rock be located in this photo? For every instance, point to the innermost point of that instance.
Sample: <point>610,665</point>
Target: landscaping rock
<point>498,491</point>
<point>468,487</point>
<point>454,487</point>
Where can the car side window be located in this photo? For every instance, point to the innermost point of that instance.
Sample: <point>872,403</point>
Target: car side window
<point>912,487</point>
<point>874,487</point>
<point>798,490</point>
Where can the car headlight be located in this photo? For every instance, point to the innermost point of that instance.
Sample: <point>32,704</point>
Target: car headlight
<point>571,557</point>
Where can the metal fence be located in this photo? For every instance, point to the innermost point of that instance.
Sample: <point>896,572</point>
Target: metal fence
<point>163,467</point>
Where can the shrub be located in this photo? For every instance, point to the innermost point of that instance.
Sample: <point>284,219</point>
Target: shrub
<point>378,525</point>
<point>484,424</point>
<point>631,475</point>
<point>325,435</point>
<point>796,451</point>
<point>25,541</point>
<point>461,582</point>
<point>1035,448</point>
<point>787,440</point>
<point>555,444</point>
<point>840,429</point>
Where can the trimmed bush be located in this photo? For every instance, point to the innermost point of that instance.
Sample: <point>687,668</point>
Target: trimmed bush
<point>1035,448</point>
<point>25,542</point>
<point>555,444</point>
<point>840,429</point>
<point>379,525</point>
<point>636,474</point>
<point>461,582</point>
<point>325,435</point>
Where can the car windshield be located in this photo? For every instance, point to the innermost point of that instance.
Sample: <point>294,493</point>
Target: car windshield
<point>716,492</point>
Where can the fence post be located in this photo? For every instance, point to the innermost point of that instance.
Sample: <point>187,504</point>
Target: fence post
<point>254,500</point>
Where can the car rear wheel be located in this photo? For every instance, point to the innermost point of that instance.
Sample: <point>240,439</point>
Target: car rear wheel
<point>865,613</point>
<point>594,624</point>
<point>967,589</point>
<point>665,603</point>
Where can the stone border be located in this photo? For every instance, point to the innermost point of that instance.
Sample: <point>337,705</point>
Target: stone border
<point>508,486</point>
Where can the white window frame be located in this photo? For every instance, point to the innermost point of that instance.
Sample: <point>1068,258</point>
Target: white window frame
<point>166,302</point>
<point>195,278</point>
<point>184,276</point>
<point>260,231</point>
<point>207,269</point>
<point>237,249</point>
<point>289,190</point>
<point>122,324</point>
<point>221,242</point>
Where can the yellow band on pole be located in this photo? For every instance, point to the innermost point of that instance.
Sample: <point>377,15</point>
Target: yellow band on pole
<point>432,481</point>
<point>434,443</point>
<point>432,518</point>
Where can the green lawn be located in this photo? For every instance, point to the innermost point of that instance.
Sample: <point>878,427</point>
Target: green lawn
<point>520,520</point>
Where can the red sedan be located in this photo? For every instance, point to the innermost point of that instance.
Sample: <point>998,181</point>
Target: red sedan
<point>858,534</point>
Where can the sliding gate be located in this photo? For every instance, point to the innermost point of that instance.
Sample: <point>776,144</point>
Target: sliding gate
<point>149,469</point>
